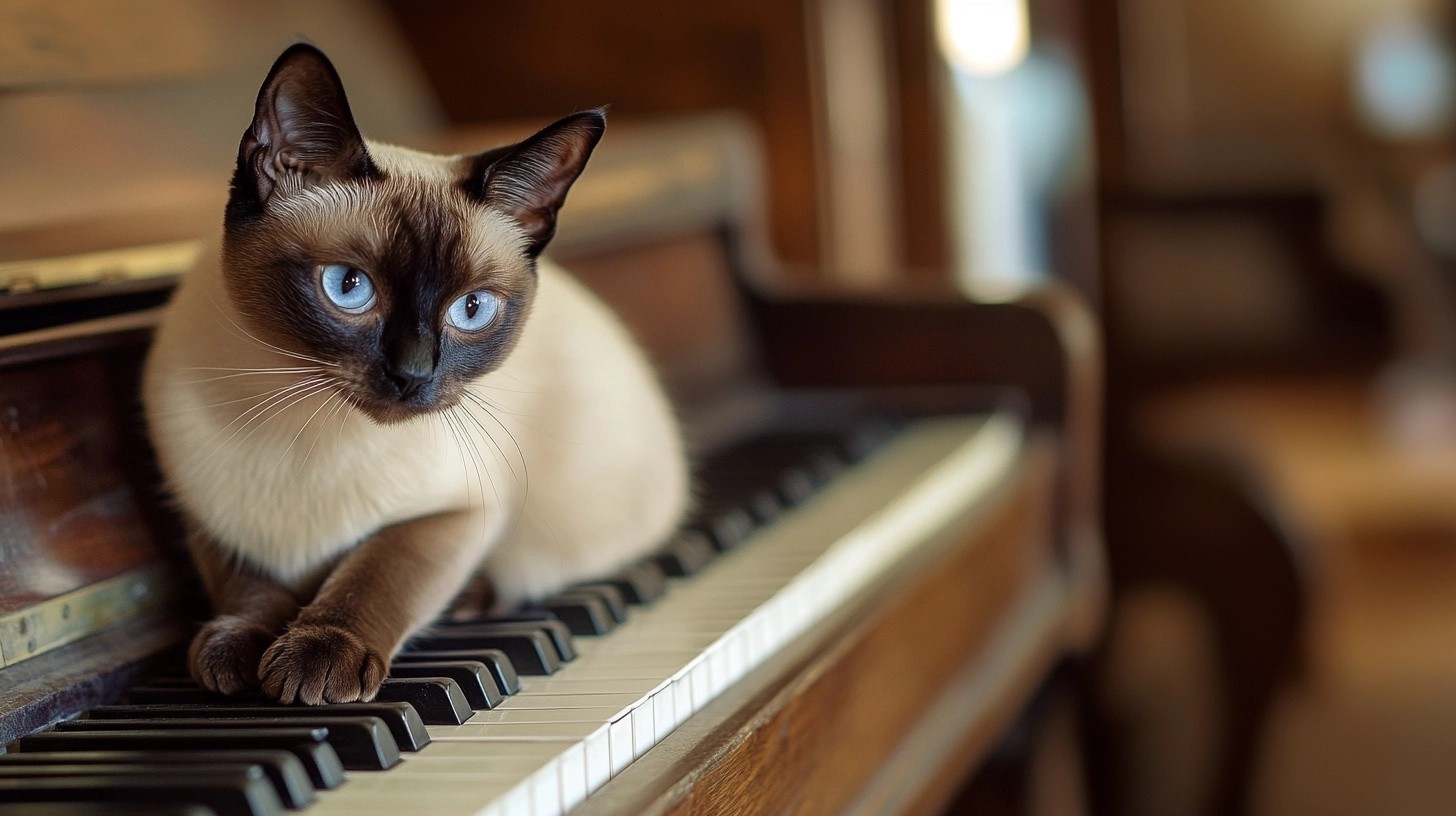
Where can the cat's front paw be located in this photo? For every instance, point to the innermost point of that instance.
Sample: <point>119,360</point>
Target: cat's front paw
<point>319,663</point>
<point>225,653</point>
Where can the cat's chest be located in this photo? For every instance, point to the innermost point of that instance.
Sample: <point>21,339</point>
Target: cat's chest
<point>289,501</point>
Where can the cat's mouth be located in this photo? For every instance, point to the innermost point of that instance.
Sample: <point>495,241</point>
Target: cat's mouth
<point>393,409</point>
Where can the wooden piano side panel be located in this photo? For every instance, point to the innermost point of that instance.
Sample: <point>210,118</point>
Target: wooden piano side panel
<point>72,478</point>
<point>83,547</point>
<point>806,733</point>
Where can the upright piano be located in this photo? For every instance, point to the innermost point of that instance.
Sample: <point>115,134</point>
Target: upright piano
<point>896,549</point>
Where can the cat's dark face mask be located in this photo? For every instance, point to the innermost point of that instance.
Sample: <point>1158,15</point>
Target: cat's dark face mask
<point>398,278</point>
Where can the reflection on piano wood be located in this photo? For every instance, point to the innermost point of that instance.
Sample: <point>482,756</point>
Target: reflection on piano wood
<point>860,612</point>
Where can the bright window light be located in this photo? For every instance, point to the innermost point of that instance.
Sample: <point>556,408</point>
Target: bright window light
<point>985,37</point>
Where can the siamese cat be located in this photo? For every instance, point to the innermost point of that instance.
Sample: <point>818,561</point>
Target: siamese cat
<point>373,396</point>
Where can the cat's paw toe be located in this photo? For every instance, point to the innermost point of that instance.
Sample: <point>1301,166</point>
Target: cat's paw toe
<point>318,663</point>
<point>224,655</point>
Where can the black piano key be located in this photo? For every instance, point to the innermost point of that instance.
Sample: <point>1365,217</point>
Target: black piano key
<point>867,437</point>
<point>726,527</point>
<point>310,745</point>
<point>178,695</point>
<point>641,583</point>
<point>102,809</point>
<point>530,652</point>
<point>171,681</point>
<point>298,795</point>
<point>558,633</point>
<point>795,486</point>
<point>438,700</point>
<point>495,660</point>
<point>514,616</point>
<point>290,780</point>
<point>764,505</point>
<point>536,648</point>
<point>401,719</point>
<point>474,679</point>
<point>685,555</point>
<point>825,465</point>
<point>607,593</point>
<point>582,613</point>
<point>226,792</point>
<point>362,743</point>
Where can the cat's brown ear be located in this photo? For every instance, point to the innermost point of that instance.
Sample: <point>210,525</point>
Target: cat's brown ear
<point>529,181</point>
<point>302,132</point>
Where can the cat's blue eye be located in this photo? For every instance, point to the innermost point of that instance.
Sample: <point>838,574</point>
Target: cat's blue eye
<point>349,288</point>
<point>474,311</point>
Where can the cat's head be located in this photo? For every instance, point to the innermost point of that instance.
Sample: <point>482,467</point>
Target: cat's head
<point>409,274</point>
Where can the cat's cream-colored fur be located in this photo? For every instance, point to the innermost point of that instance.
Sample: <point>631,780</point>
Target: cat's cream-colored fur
<point>578,468</point>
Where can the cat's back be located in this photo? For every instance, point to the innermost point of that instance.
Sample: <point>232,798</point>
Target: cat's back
<point>608,475</point>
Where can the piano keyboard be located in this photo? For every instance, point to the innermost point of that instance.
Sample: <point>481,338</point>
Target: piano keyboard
<point>532,713</point>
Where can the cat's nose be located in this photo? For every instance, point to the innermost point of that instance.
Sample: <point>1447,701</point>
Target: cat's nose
<point>407,379</point>
<point>409,364</point>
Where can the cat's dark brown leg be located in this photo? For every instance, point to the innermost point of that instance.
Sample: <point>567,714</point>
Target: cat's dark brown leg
<point>251,610</point>
<point>339,646</point>
<point>474,601</point>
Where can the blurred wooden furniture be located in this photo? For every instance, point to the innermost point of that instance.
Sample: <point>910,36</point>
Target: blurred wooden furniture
<point>886,706</point>
<point>1326,453</point>
<point>1230,308</point>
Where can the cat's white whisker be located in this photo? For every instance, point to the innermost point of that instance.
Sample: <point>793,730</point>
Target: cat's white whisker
<point>525,481</point>
<point>284,456</point>
<point>516,418</point>
<point>281,395</point>
<point>275,372</point>
<point>286,407</point>
<point>250,336</point>
<point>474,420</point>
<point>341,404</point>
<point>192,410</point>
<point>446,422</point>
<point>264,400</point>
<point>462,440</point>
<point>229,368</point>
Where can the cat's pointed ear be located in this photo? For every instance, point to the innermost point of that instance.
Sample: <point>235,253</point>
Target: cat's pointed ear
<point>302,131</point>
<point>529,181</point>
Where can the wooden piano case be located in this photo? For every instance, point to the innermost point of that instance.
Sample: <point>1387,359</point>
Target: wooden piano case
<point>885,707</point>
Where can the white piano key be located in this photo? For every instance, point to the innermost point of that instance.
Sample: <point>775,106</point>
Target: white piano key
<point>700,682</point>
<point>380,795</point>
<point>516,802</point>
<point>664,719</point>
<point>682,700</point>
<point>527,756</point>
<point>620,702</point>
<point>546,792</point>
<point>644,728</point>
<point>598,758</point>
<point>595,685</point>
<point>598,714</point>
<point>512,731</point>
<point>573,776</point>
<point>620,742</point>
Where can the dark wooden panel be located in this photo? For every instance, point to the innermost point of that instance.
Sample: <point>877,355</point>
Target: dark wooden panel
<point>70,513</point>
<point>678,298</point>
<point>502,61</point>
<point>917,81</point>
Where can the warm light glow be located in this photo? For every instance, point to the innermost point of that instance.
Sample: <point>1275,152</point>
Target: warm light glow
<point>984,37</point>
